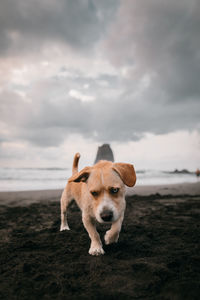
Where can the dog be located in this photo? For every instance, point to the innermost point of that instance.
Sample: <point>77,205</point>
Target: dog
<point>99,191</point>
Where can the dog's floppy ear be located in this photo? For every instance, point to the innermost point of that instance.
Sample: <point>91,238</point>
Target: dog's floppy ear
<point>126,172</point>
<point>81,176</point>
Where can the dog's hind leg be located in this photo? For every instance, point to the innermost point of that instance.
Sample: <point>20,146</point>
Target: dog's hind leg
<point>64,202</point>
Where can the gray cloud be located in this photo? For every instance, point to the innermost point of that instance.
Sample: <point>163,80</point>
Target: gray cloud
<point>160,39</point>
<point>29,25</point>
<point>154,46</point>
<point>49,121</point>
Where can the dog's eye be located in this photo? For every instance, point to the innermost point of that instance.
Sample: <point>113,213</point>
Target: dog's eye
<point>114,190</point>
<point>94,194</point>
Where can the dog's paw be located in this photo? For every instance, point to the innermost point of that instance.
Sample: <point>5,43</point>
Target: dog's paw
<point>110,238</point>
<point>96,251</point>
<point>64,227</point>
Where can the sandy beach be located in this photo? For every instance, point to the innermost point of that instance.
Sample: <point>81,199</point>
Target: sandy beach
<point>157,256</point>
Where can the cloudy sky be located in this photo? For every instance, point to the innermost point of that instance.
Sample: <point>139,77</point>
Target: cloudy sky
<point>78,73</point>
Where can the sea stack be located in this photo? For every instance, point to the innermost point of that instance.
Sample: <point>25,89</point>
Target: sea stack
<point>104,153</point>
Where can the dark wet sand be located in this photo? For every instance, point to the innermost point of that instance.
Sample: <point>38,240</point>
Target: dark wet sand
<point>157,256</point>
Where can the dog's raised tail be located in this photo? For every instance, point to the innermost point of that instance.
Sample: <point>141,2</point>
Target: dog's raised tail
<point>75,163</point>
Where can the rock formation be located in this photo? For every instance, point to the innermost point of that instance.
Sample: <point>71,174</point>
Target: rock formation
<point>104,153</point>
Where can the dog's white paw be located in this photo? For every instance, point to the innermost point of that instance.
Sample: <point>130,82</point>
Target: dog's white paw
<point>111,238</point>
<point>64,227</point>
<point>96,251</point>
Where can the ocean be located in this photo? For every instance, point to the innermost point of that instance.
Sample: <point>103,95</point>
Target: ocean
<point>23,179</point>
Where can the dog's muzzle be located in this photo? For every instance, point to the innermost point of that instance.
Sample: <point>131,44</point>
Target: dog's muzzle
<point>106,215</point>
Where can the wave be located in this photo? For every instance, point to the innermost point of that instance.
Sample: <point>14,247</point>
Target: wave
<point>31,179</point>
<point>35,169</point>
<point>52,178</point>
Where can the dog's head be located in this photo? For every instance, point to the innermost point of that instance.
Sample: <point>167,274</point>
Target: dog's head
<point>106,187</point>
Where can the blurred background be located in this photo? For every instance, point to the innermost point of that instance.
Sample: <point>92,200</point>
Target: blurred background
<point>77,74</point>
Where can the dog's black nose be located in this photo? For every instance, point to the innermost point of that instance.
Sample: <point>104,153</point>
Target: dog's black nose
<point>106,215</point>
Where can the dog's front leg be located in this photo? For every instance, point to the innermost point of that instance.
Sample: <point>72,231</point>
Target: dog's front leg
<point>96,245</point>
<point>112,235</point>
<point>64,202</point>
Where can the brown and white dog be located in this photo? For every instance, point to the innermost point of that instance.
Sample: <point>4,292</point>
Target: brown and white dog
<point>99,191</point>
